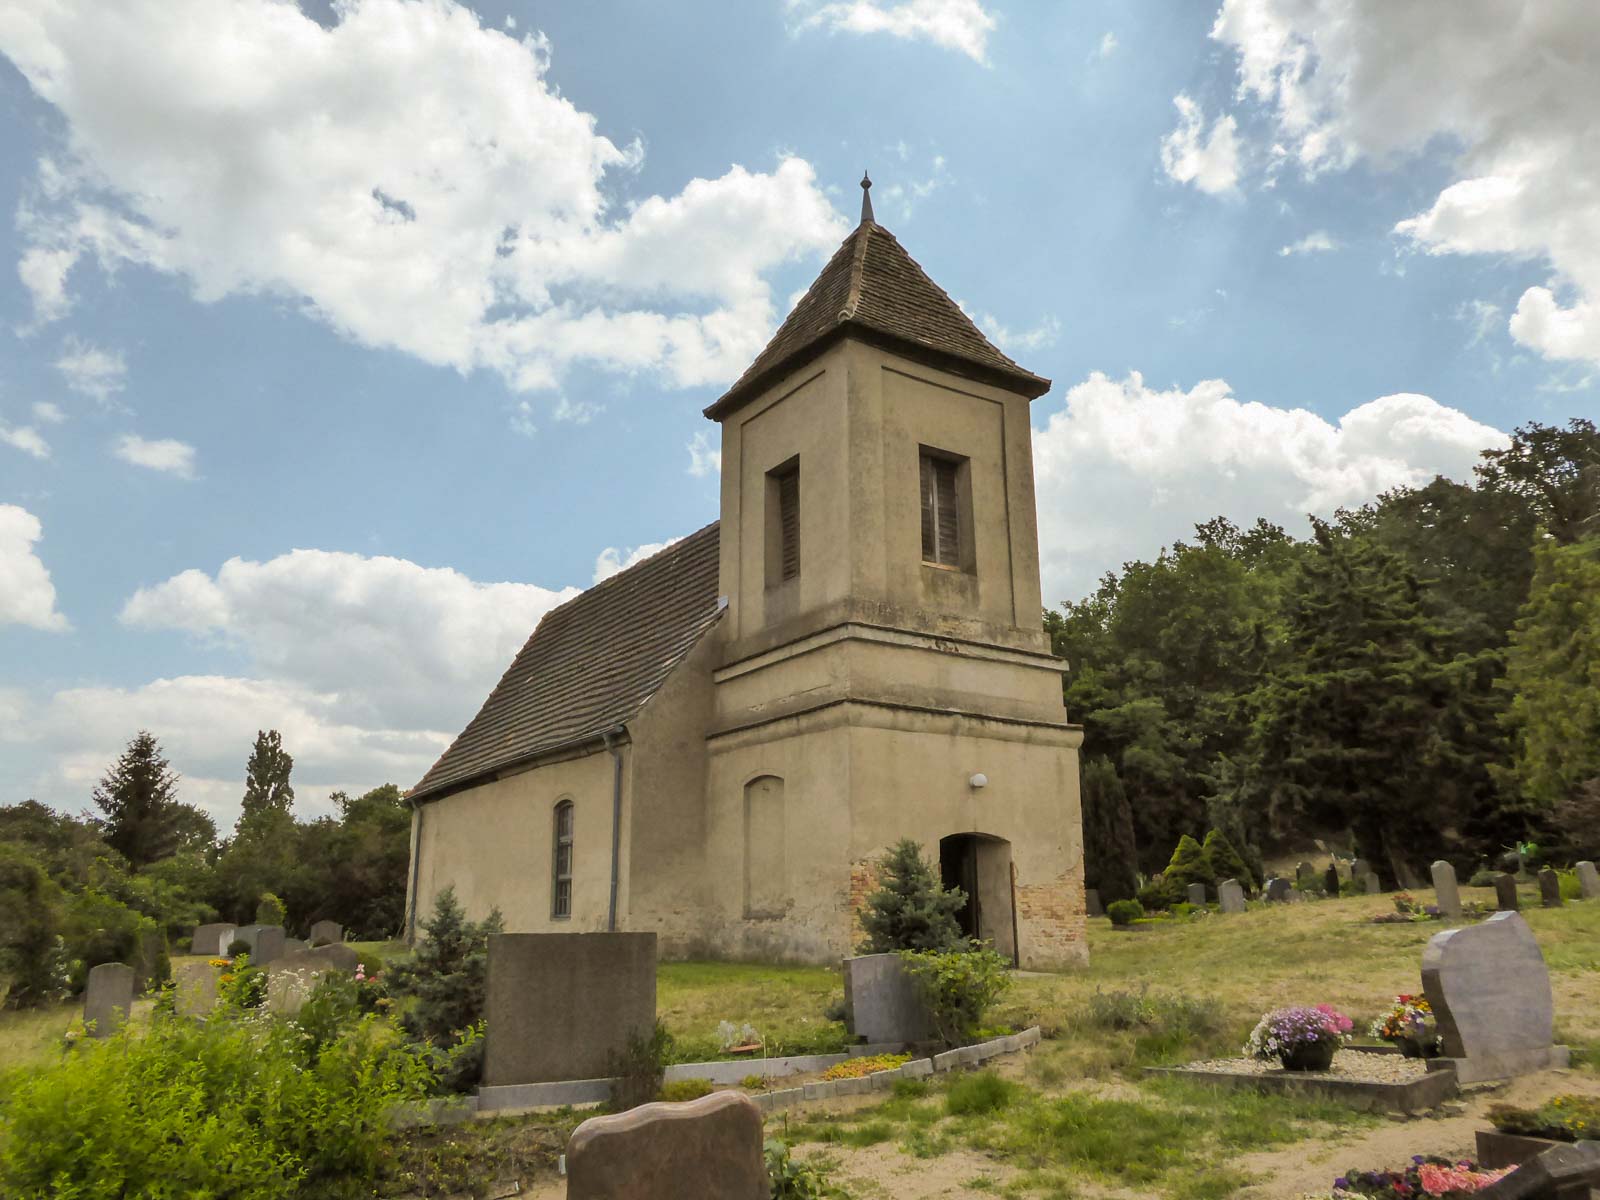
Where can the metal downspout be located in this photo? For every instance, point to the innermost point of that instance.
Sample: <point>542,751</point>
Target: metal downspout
<point>416,858</point>
<point>616,821</point>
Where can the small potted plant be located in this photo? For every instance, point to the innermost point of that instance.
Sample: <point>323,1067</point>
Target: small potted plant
<point>1302,1039</point>
<point>1409,1024</point>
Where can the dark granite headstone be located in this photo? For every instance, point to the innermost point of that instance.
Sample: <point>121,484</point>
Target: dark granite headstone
<point>1505,892</point>
<point>1490,993</point>
<point>1305,873</point>
<point>706,1149</point>
<point>1550,888</point>
<point>1197,894</point>
<point>1330,880</point>
<point>1279,889</point>
<point>1562,1172</point>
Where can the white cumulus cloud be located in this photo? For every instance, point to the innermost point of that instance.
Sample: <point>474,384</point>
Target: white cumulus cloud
<point>27,597</point>
<point>156,454</point>
<point>1124,468</point>
<point>404,174</point>
<point>92,370</point>
<point>1318,242</point>
<point>24,438</point>
<point>705,458</point>
<point>1509,87</point>
<point>613,559</point>
<point>961,25</point>
<point>1189,154</point>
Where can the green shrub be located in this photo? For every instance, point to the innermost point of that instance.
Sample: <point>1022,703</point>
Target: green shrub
<point>270,910</point>
<point>910,910</point>
<point>232,1109</point>
<point>1188,865</point>
<point>755,1083</point>
<point>1157,894</point>
<point>1483,877</point>
<point>680,1090</point>
<point>983,1092</point>
<point>241,985</point>
<point>1186,909</point>
<point>1222,861</point>
<point>445,980</point>
<point>1124,912</point>
<point>790,1180</point>
<point>99,928</point>
<point>237,947</point>
<point>33,956</point>
<point>958,987</point>
<point>638,1070</point>
<point>1571,889</point>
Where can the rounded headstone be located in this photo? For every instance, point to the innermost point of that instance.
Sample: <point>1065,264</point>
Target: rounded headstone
<point>1550,888</point>
<point>706,1149</point>
<point>1490,993</point>
<point>1588,881</point>
<point>108,998</point>
<point>1446,894</point>
<point>1505,892</point>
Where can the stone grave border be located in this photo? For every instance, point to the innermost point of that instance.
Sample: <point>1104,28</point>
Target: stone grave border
<point>511,1099</point>
<point>1415,1095</point>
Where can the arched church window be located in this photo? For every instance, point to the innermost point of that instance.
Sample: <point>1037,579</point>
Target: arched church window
<point>561,881</point>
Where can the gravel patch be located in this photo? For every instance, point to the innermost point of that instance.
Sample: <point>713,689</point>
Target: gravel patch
<point>1347,1064</point>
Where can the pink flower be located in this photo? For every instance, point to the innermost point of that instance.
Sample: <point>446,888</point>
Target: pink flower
<point>1337,1021</point>
<point>1441,1181</point>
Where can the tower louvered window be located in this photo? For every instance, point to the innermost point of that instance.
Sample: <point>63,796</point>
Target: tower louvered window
<point>789,523</point>
<point>941,521</point>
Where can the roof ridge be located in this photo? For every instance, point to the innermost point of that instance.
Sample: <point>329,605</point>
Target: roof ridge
<point>675,544</point>
<point>858,261</point>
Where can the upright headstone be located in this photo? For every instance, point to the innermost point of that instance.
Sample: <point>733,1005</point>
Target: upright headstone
<point>563,1005</point>
<point>195,987</point>
<point>212,940</point>
<point>1505,892</point>
<point>1330,880</point>
<point>1359,868</point>
<point>1563,1172</point>
<point>1305,873</point>
<point>882,1003</point>
<point>1197,894</point>
<point>1279,889</point>
<point>324,933</point>
<point>1445,892</point>
<point>706,1149</point>
<point>269,945</point>
<point>1490,994</point>
<point>1588,881</point>
<point>1372,884</point>
<point>1549,888</point>
<point>295,945</point>
<point>1230,896</point>
<point>1091,902</point>
<point>108,998</point>
<point>292,978</point>
<point>152,964</point>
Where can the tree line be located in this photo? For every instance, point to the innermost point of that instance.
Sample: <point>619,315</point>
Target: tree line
<point>1419,678</point>
<point>80,890</point>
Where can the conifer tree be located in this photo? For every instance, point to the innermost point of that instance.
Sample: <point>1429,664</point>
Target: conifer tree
<point>139,798</point>
<point>447,977</point>
<point>1224,862</point>
<point>910,910</point>
<point>268,795</point>
<point>1188,865</point>
<point>1110,858</point>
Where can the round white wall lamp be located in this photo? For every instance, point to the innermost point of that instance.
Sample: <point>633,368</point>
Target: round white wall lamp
<point>980,780</point>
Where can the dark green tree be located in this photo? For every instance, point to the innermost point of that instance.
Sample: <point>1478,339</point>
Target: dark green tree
<point>1222,861</point>
<point>445,980</point>
<point>1110,857</point>
<point>1188,865</point>
<point>139,798</point>
<point>268,794</point>
<point>910,910</point>
<point>1553,473</point>
<point>32,954</point>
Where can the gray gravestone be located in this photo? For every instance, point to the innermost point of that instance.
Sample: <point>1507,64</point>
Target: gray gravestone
<point>1550,888</point>
<point>194,987</point>
<point>563,1005</point>
<point>268,945</point>
<point>292,978</point>
<point>1588,881</point>
<point>294,945</point>
<point>1305,873</point>
<point>1505,892</point>
<point>882,1002</point>
<point>1359,868</point>
<point>1091,903</point>
<point>1330,880</point>
<point>1279,889</point>
<point>1561,1172</point>
<point>212,940</point>
<point>324,933</point>
<point>108,998</point>
<point>152,964</point>
<point>1230,896</point>
<point>1372,884</point>
<point>706,1149</point>
<point>1490,994</point>
<point>1197,894</point>
<point>1445,892</point>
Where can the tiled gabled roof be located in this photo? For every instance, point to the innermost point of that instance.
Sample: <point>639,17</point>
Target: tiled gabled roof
<point>591,664</point>
<point>872,287</point>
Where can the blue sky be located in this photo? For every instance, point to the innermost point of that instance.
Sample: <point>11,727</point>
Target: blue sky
<point>341,342</point>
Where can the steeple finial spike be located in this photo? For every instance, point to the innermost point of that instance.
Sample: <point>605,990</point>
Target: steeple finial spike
<point>866,200</point>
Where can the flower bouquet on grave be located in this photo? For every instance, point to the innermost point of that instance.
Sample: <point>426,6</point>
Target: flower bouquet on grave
<point>1409,1024</point>
<point>1427,1175</point>
<point>1302,1039</point>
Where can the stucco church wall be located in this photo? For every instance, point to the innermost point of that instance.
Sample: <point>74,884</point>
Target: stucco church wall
<point>495,844</point>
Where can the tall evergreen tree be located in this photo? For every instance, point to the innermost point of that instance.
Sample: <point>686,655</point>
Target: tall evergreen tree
<point>910,909</point>
<point>267,791</point>
<point>1365,723</point>
<point>1110,857</point>
<point>138,795</point>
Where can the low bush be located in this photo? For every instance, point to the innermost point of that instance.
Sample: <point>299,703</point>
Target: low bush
<point>790,1180</point>
<point>1569,1118</point>
<point>237,947</point>
<point>982,1092</point>
<point>680,1090</point>
<point>1124,912</point>
<point>640,1067</point>
<point>865,1064</point>
<point>755,1083</point>
<point>958,988</point>
<point>444,986</point>
<point>1484,878</point>
<point>237,1108</point>
<point>1156,895</point>
<point>270,910</point>
<point>241,985</point>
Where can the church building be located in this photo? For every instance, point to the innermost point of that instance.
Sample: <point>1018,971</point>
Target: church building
<point>717,743</point>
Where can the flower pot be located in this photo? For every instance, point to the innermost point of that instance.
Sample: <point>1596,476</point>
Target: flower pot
<point>1418,1047</point>
<point>1309,1056</point>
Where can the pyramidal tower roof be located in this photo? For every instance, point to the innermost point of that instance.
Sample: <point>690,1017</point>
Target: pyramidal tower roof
<point>872,289</point>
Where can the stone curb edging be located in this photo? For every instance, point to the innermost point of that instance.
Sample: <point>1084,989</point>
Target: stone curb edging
<point>1415,1095</point>
<point>506,1099</point>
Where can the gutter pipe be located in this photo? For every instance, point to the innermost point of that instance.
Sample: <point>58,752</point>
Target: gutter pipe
<point>615,749</point>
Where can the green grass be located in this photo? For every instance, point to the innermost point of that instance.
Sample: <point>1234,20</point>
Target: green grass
<point>784,1003</point>
<point>29,1037</point>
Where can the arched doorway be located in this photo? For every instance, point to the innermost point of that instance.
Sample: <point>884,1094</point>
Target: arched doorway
<point>980,865</point>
